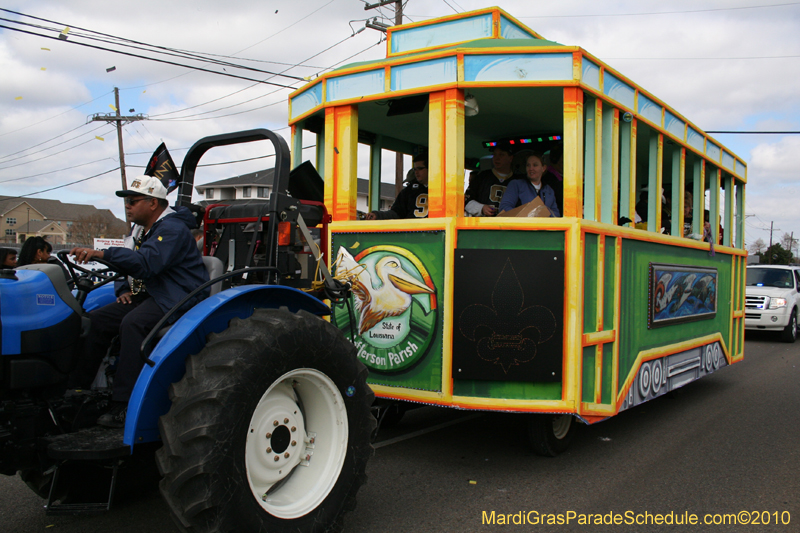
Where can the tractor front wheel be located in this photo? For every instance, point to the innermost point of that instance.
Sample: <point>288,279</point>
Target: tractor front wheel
<point>269,429</point>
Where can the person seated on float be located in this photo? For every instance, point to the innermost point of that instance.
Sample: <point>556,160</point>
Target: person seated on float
<point>412,202</point>
<point>665,225</point>
<point>707,235</point>
<point>554,176</point>
<point>521,191</point>
<point>485,192</point>
<point>688,209</point>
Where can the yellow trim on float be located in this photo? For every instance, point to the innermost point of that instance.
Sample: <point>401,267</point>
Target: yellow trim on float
<point>467,402</point>
<point>573,161</point>
<point>601,273</point>
<point>659,238</point>
<point>600,337</point>
<point>617,322</point>
<point>496,14</point>
<point>573,303</point>
<point>597,409</point>
<point>447,308</point>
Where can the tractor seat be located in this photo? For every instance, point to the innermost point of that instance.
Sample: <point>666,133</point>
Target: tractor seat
<point>215,268</point>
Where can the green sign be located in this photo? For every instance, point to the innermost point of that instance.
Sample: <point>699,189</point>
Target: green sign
<point>393,306</point>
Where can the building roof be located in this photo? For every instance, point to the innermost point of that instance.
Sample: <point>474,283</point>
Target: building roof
<point>52,209</point>
<point>35,226</point>
<point>387,189</point>
<point>261,178</point>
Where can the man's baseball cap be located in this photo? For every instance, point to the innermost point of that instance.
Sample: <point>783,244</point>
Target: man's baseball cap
<point>145,186</point>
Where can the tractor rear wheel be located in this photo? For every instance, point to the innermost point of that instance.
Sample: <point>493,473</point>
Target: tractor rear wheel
<point>269,429</point>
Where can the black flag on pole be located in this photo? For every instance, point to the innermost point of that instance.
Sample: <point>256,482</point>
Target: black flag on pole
<point>162,167</point>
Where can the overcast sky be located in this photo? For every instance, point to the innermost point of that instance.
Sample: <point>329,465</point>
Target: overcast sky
<point>723,64</point>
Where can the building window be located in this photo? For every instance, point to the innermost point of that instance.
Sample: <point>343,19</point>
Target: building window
<point>11,221</point>
<point>209,194</point>
<point>262,192</point>
<point>10,233</point>
<point>69,224</point>
<point>245,192</point>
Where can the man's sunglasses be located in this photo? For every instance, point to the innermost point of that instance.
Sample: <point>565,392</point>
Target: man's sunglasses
<point>132,201</point>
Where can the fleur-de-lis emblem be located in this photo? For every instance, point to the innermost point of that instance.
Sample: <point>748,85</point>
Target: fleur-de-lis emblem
<point>507,333</point>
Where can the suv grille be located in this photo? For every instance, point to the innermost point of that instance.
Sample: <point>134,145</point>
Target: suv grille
<point>756,302</point>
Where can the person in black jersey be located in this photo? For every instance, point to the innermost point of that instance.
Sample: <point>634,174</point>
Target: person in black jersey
<point>483,196</point>
<point>412,202</point>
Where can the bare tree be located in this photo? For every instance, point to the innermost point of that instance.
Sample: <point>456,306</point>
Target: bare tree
<point>85,229</point>
<point>788,242</point>
<point>758,246</point>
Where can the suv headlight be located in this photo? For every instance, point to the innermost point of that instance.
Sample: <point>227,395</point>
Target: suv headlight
<point>777,303</point>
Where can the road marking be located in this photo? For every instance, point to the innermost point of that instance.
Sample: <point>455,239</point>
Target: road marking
<point>426,430</point>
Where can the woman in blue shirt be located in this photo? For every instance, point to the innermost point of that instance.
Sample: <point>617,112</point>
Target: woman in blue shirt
<point>520,192</point>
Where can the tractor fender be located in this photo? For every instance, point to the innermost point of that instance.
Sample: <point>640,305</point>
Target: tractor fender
<point>99,297</point>
<point>150,397</point>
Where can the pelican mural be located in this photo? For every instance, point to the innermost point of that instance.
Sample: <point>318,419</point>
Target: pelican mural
<point>392,295</point>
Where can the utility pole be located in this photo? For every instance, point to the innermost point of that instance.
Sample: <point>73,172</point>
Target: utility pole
<point>119,119</point>
<point>398,19</point>
<point>771,229</point>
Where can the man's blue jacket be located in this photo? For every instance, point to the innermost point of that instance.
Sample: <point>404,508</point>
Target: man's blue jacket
<point>168,260</point>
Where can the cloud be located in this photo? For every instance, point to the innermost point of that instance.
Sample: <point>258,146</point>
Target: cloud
<point>712,93</point>
<point>776,163</point>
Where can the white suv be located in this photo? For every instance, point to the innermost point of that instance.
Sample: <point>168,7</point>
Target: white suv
<point>772,300</point>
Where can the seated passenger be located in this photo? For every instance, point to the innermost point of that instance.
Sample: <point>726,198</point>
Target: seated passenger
<point>521,191</point>
<point>412,202</point>
<point>554,177</point>
<point>485,192</point>
<point>707,235</point>
<point>687,213</point>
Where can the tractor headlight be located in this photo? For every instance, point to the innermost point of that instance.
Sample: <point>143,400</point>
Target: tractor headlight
<point>777,303</point>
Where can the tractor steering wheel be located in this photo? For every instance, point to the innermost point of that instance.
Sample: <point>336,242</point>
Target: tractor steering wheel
<point>82,278</point>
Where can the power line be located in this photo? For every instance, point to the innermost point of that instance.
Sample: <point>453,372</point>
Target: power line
<point>188,118</point>
<point>756,132</point>
<point>67,184</point>
<point>48,148</point>
<point>242,50</point>
<point>231,162</point>
<point>58,170</point>
<point>660,12</point>
<point>56,116</point>
<point>43,142</point>
<point>139,45</point>
<point>56,153</point>
<point>697,58</point>
<point>451,7</point>
<point>145,57</point>
<point>246,88</point>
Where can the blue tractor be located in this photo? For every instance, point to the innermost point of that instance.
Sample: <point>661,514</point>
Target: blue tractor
<point>254,409</point>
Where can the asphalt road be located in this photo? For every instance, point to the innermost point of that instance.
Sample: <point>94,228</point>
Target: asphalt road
<point>723,445</point>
